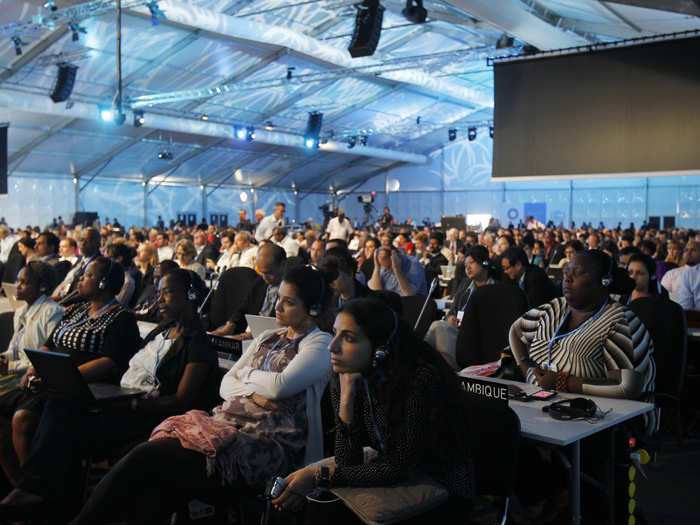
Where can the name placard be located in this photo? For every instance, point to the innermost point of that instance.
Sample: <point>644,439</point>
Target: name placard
<point>226,347</point>
<point>485,391</point>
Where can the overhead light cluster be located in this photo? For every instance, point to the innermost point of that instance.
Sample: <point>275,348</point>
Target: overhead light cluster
<point>165,155</point>
<point>112,115</point>
<point>138,118</point>
<point>471,134</point>
<point>313,130</point>
<point>353,140</point>
<point>244,133</point>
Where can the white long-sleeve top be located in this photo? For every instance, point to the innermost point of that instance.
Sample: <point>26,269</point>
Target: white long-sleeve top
<point>309,370</point>
<point>32,327</point>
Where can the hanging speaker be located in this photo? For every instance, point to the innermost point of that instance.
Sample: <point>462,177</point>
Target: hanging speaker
<point>64,82</point>
<point>368,28</point>
<point>3,158</point>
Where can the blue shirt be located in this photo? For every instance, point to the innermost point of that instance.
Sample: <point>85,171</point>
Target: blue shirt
<point>689,294</point>
<point>412,270</point>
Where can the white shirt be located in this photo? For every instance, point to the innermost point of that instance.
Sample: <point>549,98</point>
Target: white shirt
<point>339,230</point>
<point>143,366</point>
<point>32,327</point>
<point>165,253</point>
<point>5,247</point>
<point>672,281</point>
<point>290,246</point>
<point>266,226</point>
<point>244,258</point>
<point>72,259</point>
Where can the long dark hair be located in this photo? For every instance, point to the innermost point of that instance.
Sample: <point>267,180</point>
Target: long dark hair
<point>313,290</point>
<point>396,375</point>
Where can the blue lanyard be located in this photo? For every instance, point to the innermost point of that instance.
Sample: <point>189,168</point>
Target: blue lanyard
<point>83,321</point>
<point>272,353</point>
<point>563,321</point>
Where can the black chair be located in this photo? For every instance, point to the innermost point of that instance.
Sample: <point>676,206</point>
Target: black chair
<point>666,322</point>
<point>483,332</point>
<point>412,305</point>
<point>12,267</point>
<point>495,444</point>
<point>60,270</point>
<point>232,290</point>
<point>7,328</point>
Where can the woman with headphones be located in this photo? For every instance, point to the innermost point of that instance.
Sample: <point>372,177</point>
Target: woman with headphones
<point>98,333</point>
<point>176,368</point>
<point>642,269</point>
<point>585,342</point>
<point>33,321</point>
<point>269,423</point>
<point>393,392</point>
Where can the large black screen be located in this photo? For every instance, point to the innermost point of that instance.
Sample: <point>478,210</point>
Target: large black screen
<point>615,112</point>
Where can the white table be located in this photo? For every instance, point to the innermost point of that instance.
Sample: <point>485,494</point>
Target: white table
<point>539,426</point>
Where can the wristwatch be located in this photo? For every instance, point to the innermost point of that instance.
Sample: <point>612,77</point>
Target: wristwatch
<point>322,478</point>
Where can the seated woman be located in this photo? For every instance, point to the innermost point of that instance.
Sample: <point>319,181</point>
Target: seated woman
<point>185,254</point>
<point>442,335</point>
<point>394,393</point>
<point>642,269</point>
<point>98,333</point>
<point>269,423</point>
<point>146,260</point>
<point>584,342</point>
<point>33,321</point>
<point>177,368</point>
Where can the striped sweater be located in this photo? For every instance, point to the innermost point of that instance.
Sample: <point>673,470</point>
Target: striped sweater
<point>616,340</point>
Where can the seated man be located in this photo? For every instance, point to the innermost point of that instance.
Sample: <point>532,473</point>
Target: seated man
<point>531,279</point>
<point>433,258</point>
<point>263,295</point>
<point>243,251</point>
<point>397,272</point>
<point>689,293</point>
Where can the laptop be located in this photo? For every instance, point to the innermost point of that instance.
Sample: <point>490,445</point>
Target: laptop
<point>10,290</point>
<point>257,324</point>
<point>59,374</point>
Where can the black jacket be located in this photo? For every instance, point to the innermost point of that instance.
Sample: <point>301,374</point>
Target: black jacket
<point>208,252</point>
<point>538,288</point>
<point>252,305</point>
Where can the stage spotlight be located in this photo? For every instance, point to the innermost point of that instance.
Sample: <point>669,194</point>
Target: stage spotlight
<point>204,117</point>
<point>451,134</point>
<point>491,131</point>
<point>471,134</point>
<point>269,125</point>
<point>363,140</point>
<point>504,41</point>
<point>51,6</point>
<point>106,113</point>
<point>17,42</point>
<point>414,11</point>
<point>250,134</point>
<point>138,118</point>
<point>76,30</point>
<point>352,141</point>
<point>368,29</point>
<point>65,79</point>
<point>165,155</point>
<point>239,132</point>
<point>313,129</point>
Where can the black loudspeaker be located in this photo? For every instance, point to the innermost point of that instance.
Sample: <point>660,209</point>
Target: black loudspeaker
<point>64,82</point>
<point>3,159</point>
<point>313,129</point>
<point>368,28</point>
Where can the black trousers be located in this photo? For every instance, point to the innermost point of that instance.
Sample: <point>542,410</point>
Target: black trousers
<point>150,483</point>
<point>68,432</point>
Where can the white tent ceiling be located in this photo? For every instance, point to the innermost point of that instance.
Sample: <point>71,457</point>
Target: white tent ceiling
<point>422,80</point>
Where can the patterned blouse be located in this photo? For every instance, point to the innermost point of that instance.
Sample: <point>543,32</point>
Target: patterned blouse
<point>112,334</point>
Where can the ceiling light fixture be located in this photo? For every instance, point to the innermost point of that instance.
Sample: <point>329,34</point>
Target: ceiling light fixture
<point>414,11</point>
<point>313,129</point>
<point>451,134</point>
<point>471,134</point>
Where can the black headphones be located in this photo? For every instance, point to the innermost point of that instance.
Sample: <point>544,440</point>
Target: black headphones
<point>568,409</point>
<point>382,352</point>
<point>608,278</point>
<point>104,282</point>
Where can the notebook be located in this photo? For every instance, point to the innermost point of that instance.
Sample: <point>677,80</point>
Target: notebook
<point>59,374</point>
<point>257,324</point>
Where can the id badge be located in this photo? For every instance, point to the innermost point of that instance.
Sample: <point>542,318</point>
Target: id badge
<point>460,314</point>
